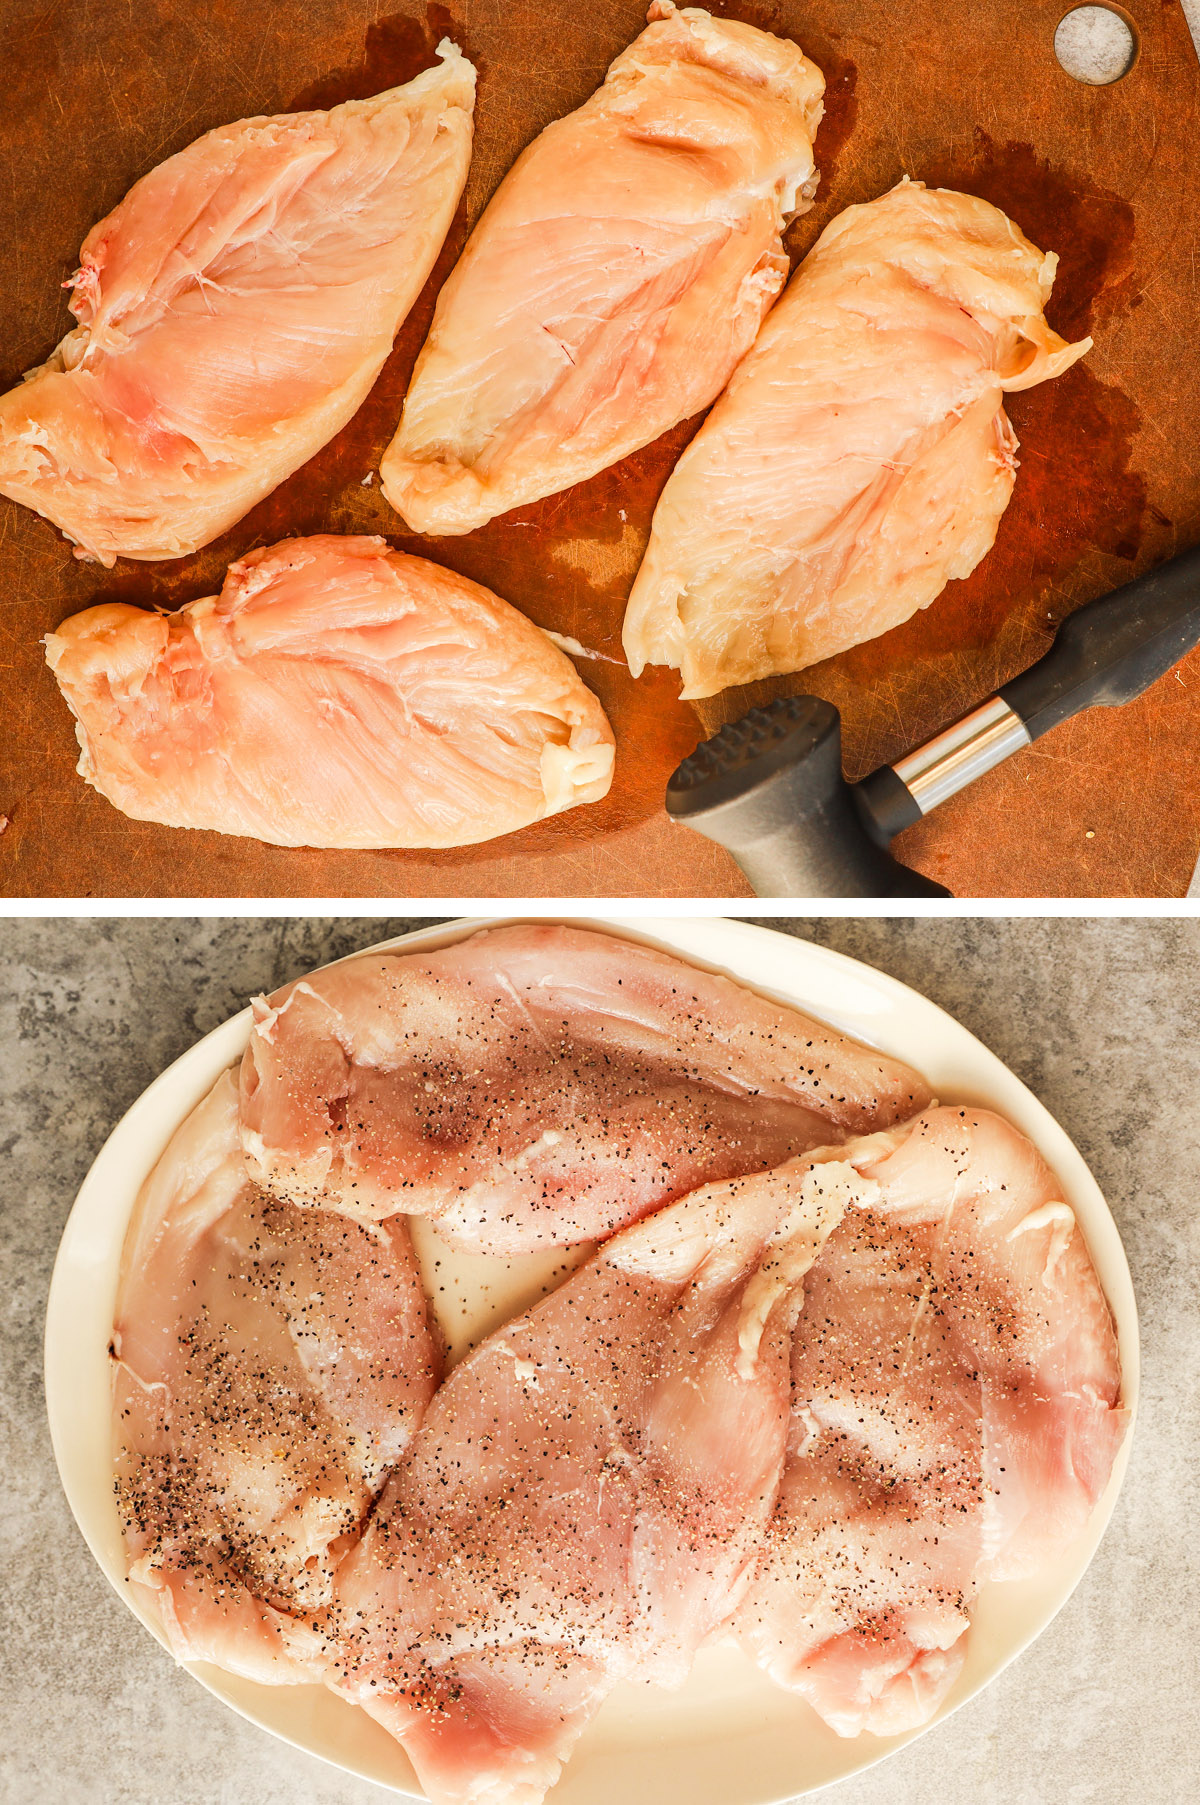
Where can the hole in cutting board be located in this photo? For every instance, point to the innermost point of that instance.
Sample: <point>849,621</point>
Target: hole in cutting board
<point>1096,45</point>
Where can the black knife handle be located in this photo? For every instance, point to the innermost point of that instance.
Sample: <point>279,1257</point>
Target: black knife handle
<point>1112,649</point>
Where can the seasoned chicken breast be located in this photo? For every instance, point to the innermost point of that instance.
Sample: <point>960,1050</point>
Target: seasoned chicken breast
<point>269,1368</point>
<point>621,270</point>
<point>539,1086</point>
<point>586,1499</point>
<point>335,693</point>
<point>861,456</point>
<point>233,312</point>
<point>955,1417</point>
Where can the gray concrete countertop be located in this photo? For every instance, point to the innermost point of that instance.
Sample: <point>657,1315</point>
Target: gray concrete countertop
<point>1100,1017</point>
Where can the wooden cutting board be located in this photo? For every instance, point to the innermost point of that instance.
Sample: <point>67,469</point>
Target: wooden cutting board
<point>964,95</point>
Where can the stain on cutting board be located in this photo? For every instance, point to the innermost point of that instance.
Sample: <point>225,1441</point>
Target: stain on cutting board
<point>1110,459</point>
<point>396,50</point>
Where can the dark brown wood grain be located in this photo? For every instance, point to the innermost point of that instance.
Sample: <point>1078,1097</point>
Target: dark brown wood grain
<point>963,95</point>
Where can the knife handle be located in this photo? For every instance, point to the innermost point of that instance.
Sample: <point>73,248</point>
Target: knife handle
<point>1112,649</point>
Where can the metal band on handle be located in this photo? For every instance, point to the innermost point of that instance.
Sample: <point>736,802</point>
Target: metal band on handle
<point>955,758</point>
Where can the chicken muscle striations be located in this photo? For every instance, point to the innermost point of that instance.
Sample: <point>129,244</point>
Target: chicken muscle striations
<point>538,1086</point>
<point>1030,1315</point>
<point>585,1500</point>
<point>233,312</point>
<point>621,270</point>
<point>861,456</point>
<point>269,1368</point>
<point>333,694</point>
<point>955,1417</point>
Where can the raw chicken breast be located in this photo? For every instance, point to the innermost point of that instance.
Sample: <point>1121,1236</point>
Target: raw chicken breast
<point>334,694</point>
<point>585,1499</point>
<point>233,312</point>
<point>1032,1321</point>
<point>955,1395</point>
<point>537,1086</point>
<point>621,270</point>
<point>269,1368</point>
<point>860,1602</point>
<point>861,456</point>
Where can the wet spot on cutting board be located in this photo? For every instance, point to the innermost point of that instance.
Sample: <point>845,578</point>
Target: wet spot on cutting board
<point>1090,228</point>
<point>396,50</point>
<point>569,559</point>
<point>1075,489</point>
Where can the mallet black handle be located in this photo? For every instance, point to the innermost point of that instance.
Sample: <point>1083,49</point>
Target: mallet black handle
<point>1106,653</point>
<point>1112,649</point>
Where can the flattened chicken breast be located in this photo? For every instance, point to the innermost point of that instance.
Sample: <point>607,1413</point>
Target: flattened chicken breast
<point>861,456</point>
<point>269,1367</point>
<point>233,312</point>
<point>1031,1319</point>
<point>955,1417</point>
<point>335,693</point>
<point>619,273</point>
<point>585,1500</point>
<point>538,1086</point>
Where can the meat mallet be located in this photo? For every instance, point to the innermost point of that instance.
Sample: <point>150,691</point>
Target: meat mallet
<point>770,787</point>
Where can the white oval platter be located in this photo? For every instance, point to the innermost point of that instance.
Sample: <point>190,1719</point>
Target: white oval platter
<point>729,1737</point>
